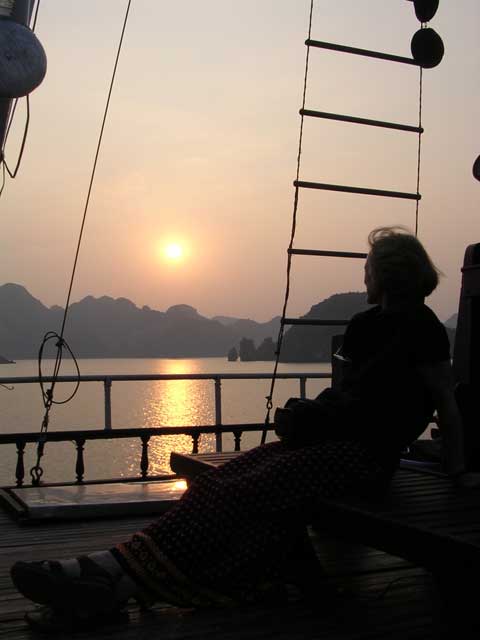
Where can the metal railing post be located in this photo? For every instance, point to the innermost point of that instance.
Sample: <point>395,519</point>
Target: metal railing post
<point>107,387</point>
<point>218,413</point>
<point>303,387</point>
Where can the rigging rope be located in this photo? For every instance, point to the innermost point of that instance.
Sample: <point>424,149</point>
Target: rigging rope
<point>13,174</point>
<point>36,471</point>
<point>34,24</point>
<point>3,179</point>
<point>269,398</point>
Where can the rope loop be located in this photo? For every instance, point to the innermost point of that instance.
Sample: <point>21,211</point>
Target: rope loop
<point>36,474</point>
<point>60,343</point>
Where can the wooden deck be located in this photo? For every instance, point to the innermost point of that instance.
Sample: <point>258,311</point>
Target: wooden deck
<point>405,611</point>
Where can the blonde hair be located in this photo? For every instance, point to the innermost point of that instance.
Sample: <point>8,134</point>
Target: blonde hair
<point>400,265</point>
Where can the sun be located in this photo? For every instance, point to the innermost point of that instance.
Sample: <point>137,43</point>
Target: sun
<point>173,252</point>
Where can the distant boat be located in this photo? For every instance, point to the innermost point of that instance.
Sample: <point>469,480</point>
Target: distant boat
<point>232,355</point>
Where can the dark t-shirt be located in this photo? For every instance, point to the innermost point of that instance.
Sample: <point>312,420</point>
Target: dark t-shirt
<point>385,349</point>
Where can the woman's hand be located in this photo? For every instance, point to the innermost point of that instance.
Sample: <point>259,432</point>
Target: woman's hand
<point>438,378</point>
<point>284,424</point>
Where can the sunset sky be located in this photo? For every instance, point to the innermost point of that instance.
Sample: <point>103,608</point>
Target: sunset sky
<point>193,195</point>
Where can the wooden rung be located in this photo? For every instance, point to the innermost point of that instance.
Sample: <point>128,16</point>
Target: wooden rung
<point>367,121</point>
<point>360,52</point>
<point>345,189</point>
<point>333,254</point>
<point>315,322</point>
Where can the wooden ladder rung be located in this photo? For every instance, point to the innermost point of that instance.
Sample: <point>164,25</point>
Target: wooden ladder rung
<point>361,190</point>
<point>333,254</point>
<point>315,322</point>
<point>367,121</point>
<point>360,52</point>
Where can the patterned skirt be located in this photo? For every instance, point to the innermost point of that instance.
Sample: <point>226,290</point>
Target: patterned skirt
<point>237,528</point>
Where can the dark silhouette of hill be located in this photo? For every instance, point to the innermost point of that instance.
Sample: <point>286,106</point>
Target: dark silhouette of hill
<point>23,322</point>
<point>313,344</point>
<point>451,323</point>
<point>257,331</point>
<point>107,327</point>
<point>226,320</point>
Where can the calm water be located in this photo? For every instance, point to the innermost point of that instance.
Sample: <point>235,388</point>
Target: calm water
<point>137,404</point>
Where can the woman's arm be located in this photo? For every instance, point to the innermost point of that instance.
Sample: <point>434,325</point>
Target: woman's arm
<point>438,378</point>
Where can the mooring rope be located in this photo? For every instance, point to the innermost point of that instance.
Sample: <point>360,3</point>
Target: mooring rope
<point>269,398</point>
<point>36,471</point>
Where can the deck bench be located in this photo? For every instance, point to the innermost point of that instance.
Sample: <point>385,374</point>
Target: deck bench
<point>423,518</point>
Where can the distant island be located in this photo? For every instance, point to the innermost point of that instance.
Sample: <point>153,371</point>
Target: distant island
<point>116,328</point>
<point>309,343</point>
<point>6,360</point>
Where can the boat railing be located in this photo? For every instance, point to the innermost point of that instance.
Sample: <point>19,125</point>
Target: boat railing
<point>144,433</point>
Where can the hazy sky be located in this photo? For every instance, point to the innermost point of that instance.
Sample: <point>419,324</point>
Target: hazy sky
<point>200,149</point>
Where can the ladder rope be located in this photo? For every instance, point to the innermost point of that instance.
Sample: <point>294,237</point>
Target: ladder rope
<point>269,398</point>
<point>298,184</point>
<point>47,394</point>
<point>419,150</point>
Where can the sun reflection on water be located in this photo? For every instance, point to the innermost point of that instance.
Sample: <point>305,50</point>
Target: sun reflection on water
<point>173,403</point>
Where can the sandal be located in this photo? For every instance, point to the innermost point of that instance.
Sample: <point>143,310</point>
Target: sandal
<point>78,590</point>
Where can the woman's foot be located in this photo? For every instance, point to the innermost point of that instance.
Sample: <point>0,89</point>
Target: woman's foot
<point>77,587</point>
